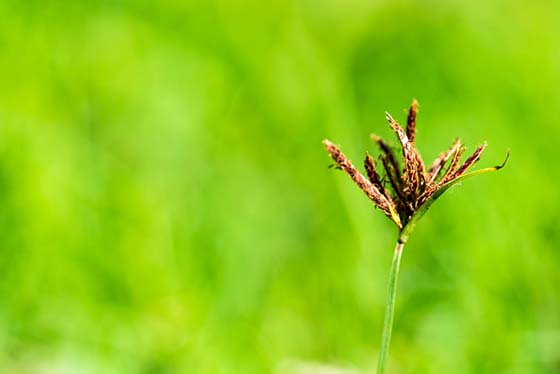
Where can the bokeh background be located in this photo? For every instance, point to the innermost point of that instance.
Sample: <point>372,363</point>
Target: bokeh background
<point>166,204</point>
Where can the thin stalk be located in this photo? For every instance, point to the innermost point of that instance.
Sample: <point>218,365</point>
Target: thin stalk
<point>390,309</point>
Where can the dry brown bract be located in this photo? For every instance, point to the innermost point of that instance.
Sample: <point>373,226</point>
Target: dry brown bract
<point>411,186</point>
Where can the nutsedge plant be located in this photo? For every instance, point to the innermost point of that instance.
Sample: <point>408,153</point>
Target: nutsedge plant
<point>405,192</point>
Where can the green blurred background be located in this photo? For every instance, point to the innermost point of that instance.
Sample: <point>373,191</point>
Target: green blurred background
<point>166,204</point>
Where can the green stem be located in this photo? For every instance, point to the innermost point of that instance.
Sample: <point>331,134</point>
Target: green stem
<point>390,310</point>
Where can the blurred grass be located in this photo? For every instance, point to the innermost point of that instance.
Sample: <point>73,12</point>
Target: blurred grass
<point>166,205</point>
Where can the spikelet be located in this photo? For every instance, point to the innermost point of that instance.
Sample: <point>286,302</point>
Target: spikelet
<point>366,186</point>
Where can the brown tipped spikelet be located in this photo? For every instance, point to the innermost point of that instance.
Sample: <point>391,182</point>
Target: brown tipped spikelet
<point>411,120</point>
<point>439,162</point>
<point>383,202</point>
<point>411,185</point>
<point>372,174</point>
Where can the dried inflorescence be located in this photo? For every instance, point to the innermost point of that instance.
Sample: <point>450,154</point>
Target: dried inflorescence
<point>404,190</point>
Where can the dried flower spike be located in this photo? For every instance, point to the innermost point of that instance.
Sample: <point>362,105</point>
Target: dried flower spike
<point>410,190</point>
<point>412,187</point>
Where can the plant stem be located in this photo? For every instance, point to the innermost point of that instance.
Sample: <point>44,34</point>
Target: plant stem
<point>390,309</point>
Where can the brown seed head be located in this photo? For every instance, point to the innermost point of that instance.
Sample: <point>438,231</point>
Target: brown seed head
<point>413,186</point>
